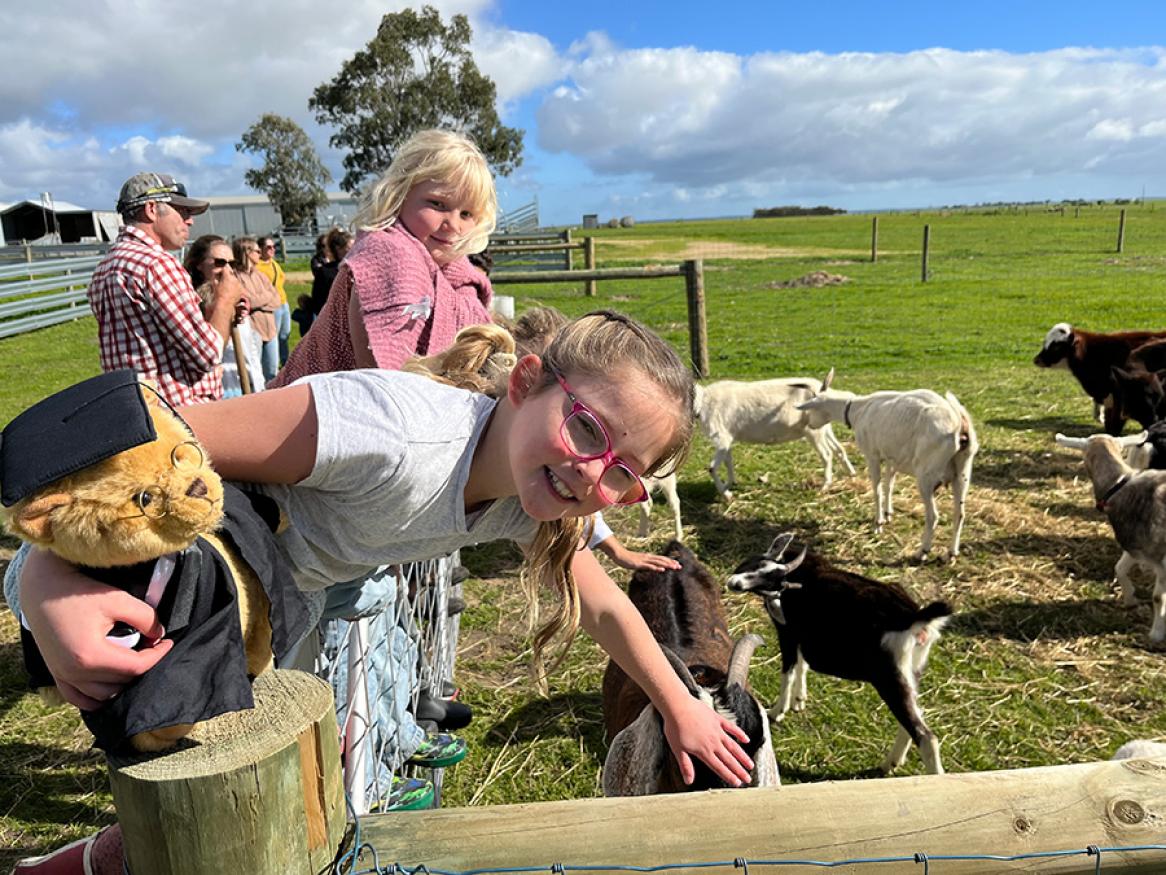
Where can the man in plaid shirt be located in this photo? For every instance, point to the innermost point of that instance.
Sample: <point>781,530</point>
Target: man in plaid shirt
<point>148,314</point>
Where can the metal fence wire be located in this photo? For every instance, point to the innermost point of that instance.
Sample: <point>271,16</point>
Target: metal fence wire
<point>380,665</point>
<point>362,859</point>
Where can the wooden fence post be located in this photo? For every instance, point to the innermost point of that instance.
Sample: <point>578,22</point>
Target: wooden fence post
<point>1121,232</point>
<point>282,248</point>
<point>567,252</point>
<point>874,239</point>
<point>926,248</point>
<point>698,336</point>
<point>589,264</point>
<point>258,791</point>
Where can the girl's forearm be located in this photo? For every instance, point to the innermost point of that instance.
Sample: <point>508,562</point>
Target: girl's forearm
<point>612,620</point>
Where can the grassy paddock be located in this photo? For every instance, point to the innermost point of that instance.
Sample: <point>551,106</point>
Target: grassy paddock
<point>1040,666</point>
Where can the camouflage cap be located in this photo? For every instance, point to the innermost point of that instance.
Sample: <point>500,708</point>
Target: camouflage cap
<point>157,187</point>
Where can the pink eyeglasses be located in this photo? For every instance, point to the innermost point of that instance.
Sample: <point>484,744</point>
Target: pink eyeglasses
<point>587,439</point>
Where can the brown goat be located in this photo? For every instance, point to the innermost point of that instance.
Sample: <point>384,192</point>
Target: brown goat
<point>684,612</point>
<point>1091,358</point>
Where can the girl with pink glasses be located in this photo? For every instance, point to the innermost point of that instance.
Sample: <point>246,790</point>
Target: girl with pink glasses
<point>377,467</point>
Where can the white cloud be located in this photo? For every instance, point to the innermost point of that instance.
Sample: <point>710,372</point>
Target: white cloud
<point>174,92</point>
<point>518,62</point>
<point>694,118</point>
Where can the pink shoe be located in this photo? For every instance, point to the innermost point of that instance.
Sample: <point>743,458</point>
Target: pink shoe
<point>98,854</point>
<point>72,859</point>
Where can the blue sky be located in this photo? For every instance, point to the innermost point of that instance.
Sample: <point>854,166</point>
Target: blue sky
<point>649,109</point>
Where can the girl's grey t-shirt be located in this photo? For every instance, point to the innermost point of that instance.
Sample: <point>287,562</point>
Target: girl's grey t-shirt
<point>393,456</point>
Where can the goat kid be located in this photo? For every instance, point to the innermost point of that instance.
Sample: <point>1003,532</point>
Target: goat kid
<point>763,412</point>
<point>1134,501</point>
<point>684,612</point>
<point>848,626</point>
<point>1091,357</point>
<point>917,432</point>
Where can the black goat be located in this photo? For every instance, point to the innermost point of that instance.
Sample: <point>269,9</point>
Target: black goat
<point>684,612</point>
<point>849,626</point>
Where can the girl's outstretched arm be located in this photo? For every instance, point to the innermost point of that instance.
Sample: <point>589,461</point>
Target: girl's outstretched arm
<point>692,727</point>
<point>269,437</point>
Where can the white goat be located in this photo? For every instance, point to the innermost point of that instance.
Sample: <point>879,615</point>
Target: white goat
<point>763,412</point>
<point>916,432</point>
<point>1135,503</point>
<point>667,485</point>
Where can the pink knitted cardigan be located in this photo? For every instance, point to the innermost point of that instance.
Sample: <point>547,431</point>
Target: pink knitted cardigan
<point>410,305</point>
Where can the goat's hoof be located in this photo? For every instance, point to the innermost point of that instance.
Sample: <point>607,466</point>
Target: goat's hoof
<point>799,705</point>
<point>776,716</point>
<point>727,495</point>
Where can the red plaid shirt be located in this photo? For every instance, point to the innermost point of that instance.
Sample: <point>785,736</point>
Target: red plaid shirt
<point>148,319</point>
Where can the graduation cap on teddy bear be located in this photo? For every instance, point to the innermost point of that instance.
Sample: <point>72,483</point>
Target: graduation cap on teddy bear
<point>71,430</point>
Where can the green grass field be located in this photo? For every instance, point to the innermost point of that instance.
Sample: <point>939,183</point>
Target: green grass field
<point>1040,666</point>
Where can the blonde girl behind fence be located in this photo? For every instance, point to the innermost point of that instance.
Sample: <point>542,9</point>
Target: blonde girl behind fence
<point>406,287</point>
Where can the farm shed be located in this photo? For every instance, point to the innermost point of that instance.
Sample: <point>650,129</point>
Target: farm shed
<point>62,222</point>
<point>254,214</point>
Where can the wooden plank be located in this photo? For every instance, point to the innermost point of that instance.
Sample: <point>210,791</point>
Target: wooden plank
<point>572,276</point>
<point>1007,812</point>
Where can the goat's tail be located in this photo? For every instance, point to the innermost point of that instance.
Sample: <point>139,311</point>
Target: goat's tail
<point>967,434</point>
<point>934,611</point>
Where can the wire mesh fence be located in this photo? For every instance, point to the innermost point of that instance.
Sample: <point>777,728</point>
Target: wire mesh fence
<point>381,665</point>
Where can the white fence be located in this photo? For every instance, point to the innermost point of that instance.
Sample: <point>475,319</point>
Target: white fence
<point>44,292</point>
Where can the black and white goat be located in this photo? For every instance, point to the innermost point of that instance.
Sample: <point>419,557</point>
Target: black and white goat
<point>919,432</point>
<point>763,412</point>
<point>1134,501</point>
<point>848,626</point>
<point>684,611</point>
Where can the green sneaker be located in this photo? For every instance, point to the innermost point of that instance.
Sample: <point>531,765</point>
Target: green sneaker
<point>407,794</point>
<point>438,750</point>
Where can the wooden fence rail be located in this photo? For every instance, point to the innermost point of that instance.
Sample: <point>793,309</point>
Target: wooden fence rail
<point>692,271</point>
<point>1054,808</point>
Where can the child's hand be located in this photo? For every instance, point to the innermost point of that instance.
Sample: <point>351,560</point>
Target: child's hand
<point>635,561</point>
<point>698,730</point>
<point>70,615</point>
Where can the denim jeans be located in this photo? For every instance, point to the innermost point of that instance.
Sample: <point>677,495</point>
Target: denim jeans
<point>283,330</point>
<point>391,663</point>
<point>269,358</point>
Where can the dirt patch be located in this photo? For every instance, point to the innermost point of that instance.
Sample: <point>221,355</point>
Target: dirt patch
<point>664,248</point>
<point>815,280</point>
<point>298,276</point>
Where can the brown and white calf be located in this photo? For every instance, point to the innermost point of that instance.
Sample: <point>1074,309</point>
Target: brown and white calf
<point>683,609</point>
<point>847,626</point>
<point>1091,358</point>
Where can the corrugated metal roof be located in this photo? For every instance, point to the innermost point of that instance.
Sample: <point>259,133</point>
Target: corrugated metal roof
<point>58,206</point>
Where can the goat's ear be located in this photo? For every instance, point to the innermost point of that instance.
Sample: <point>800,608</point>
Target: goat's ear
<point>780,545</point>
<point>827,381</point>
<point>1120,374</point>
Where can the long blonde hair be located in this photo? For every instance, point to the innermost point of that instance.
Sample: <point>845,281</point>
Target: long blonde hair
<point>437,156</point>
<point>596,345</point>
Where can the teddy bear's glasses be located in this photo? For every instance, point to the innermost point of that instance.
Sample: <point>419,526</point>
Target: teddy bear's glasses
<point>153,501</point>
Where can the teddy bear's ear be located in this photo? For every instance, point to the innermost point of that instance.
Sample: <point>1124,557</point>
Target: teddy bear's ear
<point>149,390</point>
<point>34,521</point>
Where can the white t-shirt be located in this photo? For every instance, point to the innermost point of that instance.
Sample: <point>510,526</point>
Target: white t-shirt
<point>393,457</point>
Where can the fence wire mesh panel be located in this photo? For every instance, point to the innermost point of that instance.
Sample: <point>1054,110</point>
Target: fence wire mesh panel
<point>380,665</point>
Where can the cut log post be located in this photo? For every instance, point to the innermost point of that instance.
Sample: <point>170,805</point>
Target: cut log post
<point>255,791</point>
<point>1053,808</point>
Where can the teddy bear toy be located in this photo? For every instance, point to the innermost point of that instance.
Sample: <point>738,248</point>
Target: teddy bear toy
<point>107,476</point>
